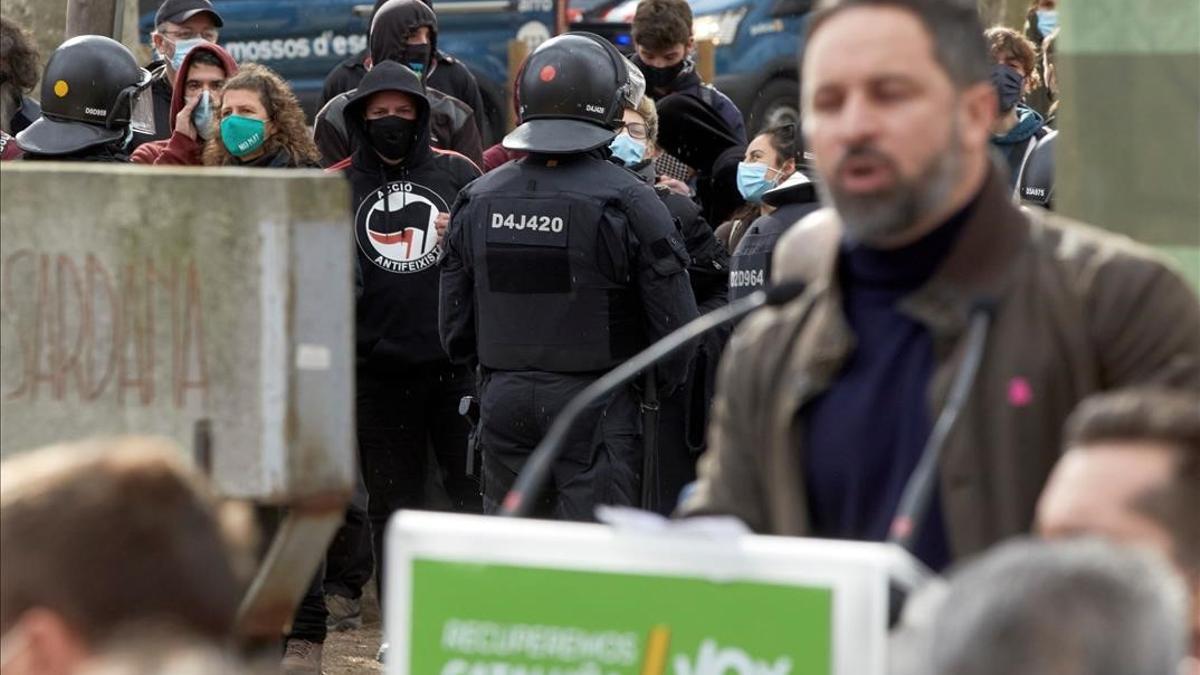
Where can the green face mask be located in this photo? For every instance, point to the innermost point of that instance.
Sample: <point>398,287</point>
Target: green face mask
<point>242,135</point>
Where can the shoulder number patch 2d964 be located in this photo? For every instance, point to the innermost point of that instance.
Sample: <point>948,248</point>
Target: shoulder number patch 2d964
<point>396,227</point>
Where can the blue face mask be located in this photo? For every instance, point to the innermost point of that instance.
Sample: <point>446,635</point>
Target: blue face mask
<point>752,181</point>
<point>182,47</point>
<point>627,150</point>
<point>202,116</point>
<point>1047,21</point>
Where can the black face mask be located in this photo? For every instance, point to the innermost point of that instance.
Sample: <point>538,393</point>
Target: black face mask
<point>1009,84</point>
<point>416,57</point>
<point>392,137</point>
<point>660,78</point>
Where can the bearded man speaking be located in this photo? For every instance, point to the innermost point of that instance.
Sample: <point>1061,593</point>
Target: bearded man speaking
<point>921,277</point>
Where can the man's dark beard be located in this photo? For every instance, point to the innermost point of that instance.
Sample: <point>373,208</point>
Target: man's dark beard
<point>882,215</point>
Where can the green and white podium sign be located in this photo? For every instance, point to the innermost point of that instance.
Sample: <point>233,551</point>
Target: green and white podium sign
<point>474,595</point>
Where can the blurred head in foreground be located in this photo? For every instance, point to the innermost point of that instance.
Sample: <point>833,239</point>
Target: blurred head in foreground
<point>1085,607</point>
<point>99,537</point>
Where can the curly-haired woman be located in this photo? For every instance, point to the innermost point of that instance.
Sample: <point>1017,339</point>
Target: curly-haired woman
<point>19,71</point>
<point>260,124</point>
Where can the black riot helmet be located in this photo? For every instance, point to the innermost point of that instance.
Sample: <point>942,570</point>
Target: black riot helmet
<point>1037,178</point>
<point>572,91</point>
<point>93,92</point>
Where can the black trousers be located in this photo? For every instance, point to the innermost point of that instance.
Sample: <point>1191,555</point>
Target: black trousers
<point>405,422</point>
<point>309,620</point>
<point>601,463</point>
<point>350,561</point>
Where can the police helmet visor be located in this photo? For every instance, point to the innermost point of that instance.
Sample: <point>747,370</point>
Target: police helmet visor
<point>635,87</point>
<point>136,101</point>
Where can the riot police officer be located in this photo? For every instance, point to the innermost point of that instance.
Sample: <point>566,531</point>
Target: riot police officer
<point>1037,176</point>
<point>559,267</point>
<point>94,96</point>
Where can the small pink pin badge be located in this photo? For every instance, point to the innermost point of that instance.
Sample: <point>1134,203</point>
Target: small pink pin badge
<point>1020,394</point>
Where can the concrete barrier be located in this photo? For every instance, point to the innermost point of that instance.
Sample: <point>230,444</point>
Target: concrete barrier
<point>211,306</point>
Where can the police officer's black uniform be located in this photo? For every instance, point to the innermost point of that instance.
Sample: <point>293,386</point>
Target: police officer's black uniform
<point>750,264</point>
<point>559,267</point>
<point>93,95</point>
<point>1037,176</point>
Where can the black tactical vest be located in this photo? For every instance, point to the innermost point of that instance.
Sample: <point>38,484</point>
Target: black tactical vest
<point>554,284</point>
<point>750,264</point>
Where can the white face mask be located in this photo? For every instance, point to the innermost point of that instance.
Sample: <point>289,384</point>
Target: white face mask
<point>182,47</point>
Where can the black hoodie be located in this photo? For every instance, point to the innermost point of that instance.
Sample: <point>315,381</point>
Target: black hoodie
<point>456,121</point>
<point>394,209</point>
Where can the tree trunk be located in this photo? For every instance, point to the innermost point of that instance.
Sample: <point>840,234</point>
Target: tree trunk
<point>93,17</point>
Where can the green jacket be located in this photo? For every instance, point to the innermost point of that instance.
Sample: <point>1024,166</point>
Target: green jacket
<point>1076,311</point>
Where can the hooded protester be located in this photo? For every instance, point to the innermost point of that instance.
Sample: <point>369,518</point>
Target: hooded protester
<point>408,391</point>
<point>452,123</point>
<point>260,124</point>
<point>94,97</point>
<point>179,27</point>
<point>193,106</point>
<point>446,73</point>
<point>18,76</point>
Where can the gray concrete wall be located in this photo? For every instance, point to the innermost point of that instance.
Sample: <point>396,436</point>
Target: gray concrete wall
<point>145,300</point>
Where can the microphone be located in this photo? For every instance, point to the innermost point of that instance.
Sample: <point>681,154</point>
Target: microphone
<point>918,493</point>
<point>520,499</point>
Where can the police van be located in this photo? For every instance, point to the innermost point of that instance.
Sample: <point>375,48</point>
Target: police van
<point>303,40</point>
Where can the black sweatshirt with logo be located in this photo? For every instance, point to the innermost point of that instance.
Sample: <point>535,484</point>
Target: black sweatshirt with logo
<point>394,211</point>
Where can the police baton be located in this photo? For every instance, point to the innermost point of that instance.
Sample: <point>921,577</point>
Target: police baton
<point>520,499</point>
<point>650,407</point>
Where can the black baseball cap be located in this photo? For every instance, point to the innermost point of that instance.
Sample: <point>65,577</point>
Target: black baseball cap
<point>178,11</point>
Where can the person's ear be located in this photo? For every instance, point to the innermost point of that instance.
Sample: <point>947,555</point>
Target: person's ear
<point>789,167</point>
<point>977,111</point>
<point>157,40</point>
<point>49,646</point>
<point>690,46</point>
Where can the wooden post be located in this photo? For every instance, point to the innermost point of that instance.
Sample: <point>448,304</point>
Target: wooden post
<point>93,17</point>
<point>1014,14</point>
<point>706,60</point>
<point>518,50</point>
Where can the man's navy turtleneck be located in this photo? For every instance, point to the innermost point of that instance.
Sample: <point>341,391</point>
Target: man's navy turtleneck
<point>864,435</point>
